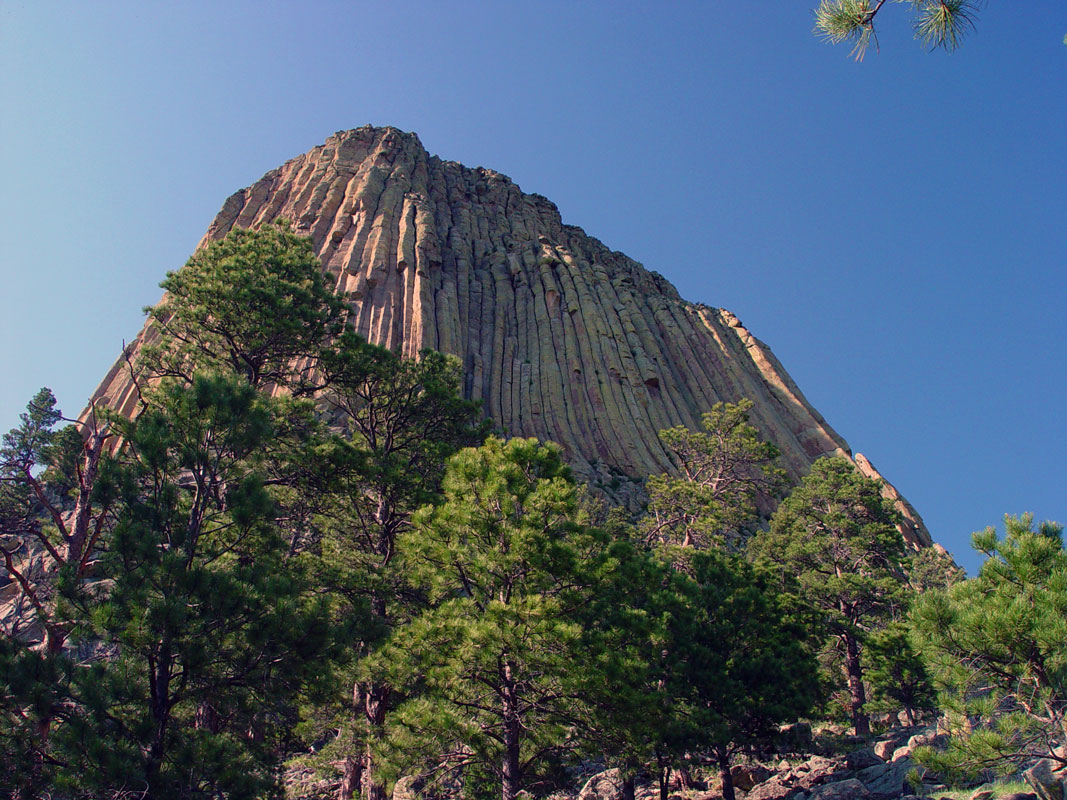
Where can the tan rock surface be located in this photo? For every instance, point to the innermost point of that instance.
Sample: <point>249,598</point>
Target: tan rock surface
<point>560,337</point>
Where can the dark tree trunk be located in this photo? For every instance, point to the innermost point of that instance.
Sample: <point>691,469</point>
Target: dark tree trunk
<point>664,776</point>
<point>512,783</point>
<point>725,776</point>
<point>351,778</point>
<point>207,718</point>
<point>159,706</point>
<point>685,779</point>
<point>628,788</point>
<point>375,698</point>
<point>857,694</point>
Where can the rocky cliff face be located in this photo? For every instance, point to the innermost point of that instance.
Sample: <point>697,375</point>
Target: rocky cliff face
<point>560,337</point>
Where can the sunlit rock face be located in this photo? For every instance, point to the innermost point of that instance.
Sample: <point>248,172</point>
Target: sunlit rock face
<point>560,337</point>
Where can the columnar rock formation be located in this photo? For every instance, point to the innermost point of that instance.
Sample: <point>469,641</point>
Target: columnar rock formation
<point>560,337</point>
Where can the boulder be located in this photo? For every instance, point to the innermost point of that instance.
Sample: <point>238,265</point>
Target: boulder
<point>982,794</point>
<point>850,789</point>
<point>884,749</point>
<point>1020,796</point>
<point>818,770</point>
<point>605,785</point>
<point>1047,782</point>
<point>862,759</point>
<point>901,753</point>
<point>888,782</point>
<point>776,788</point>
<point>872,773</point>
<point>929,738</point>
<point>745,776</point>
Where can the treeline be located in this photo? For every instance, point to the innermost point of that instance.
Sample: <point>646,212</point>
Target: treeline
<point>305,545</point>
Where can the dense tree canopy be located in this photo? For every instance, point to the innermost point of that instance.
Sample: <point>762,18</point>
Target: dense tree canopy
<point>210,627</point>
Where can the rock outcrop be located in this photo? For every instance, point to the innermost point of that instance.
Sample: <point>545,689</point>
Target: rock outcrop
<point>560,337</point>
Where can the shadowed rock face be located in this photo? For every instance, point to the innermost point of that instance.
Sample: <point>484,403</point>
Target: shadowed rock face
<point>560,337</point>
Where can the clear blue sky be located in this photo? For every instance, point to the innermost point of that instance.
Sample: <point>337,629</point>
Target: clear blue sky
<point>895,230</point>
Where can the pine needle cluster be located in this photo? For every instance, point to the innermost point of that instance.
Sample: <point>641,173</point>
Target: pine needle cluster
<point>936,23</point>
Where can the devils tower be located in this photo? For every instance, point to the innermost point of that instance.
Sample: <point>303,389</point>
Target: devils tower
<point>560,337</point>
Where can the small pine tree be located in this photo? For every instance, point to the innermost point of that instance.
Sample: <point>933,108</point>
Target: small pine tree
<point>727,474</point>
<point>897,674</point>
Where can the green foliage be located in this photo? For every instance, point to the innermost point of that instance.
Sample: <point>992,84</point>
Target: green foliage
<point>739,663</point>
<point>727,472</point>
<point>996,646</point>
<point>206,625</point>
<point>897,674</point>
<point>937,23</point>
<point>933,568</point>
<point>23,451</point>
<point>835,538</point>
<point>494,667</point>
<point>34,687</point>
<point>401,420</point>
<point>52,509</point>
<point>253,303</point>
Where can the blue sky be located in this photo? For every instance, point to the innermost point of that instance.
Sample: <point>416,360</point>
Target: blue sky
<point>894,230</point>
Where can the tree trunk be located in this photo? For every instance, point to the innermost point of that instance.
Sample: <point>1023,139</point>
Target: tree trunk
<point>206,718</point>
<point>511,784</point>
<point>857,694</point>
<point>510,768</point>
<point>685,778</point>
<point>628,789</point>
<point>664,776</point>
<point>725,776</point>
<point>375,697</point>
<point>352,778</point>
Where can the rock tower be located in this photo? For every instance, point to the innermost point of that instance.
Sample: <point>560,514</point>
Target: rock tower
<point>560,337</point>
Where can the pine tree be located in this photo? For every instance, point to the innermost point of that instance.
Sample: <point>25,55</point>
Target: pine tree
<point>203,631</point>
<point>728,475</point>
<point>401,419</point>
<point>253,303</point>
<point>53,508</point>
<point>996,647</point>
<point>495,666</point>
<point>723,663</point>
<point>897,674</point>
<point>835,536</point>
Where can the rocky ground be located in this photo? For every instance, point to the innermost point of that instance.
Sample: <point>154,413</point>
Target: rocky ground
<point>869,771</point>
<point>874,770</point>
